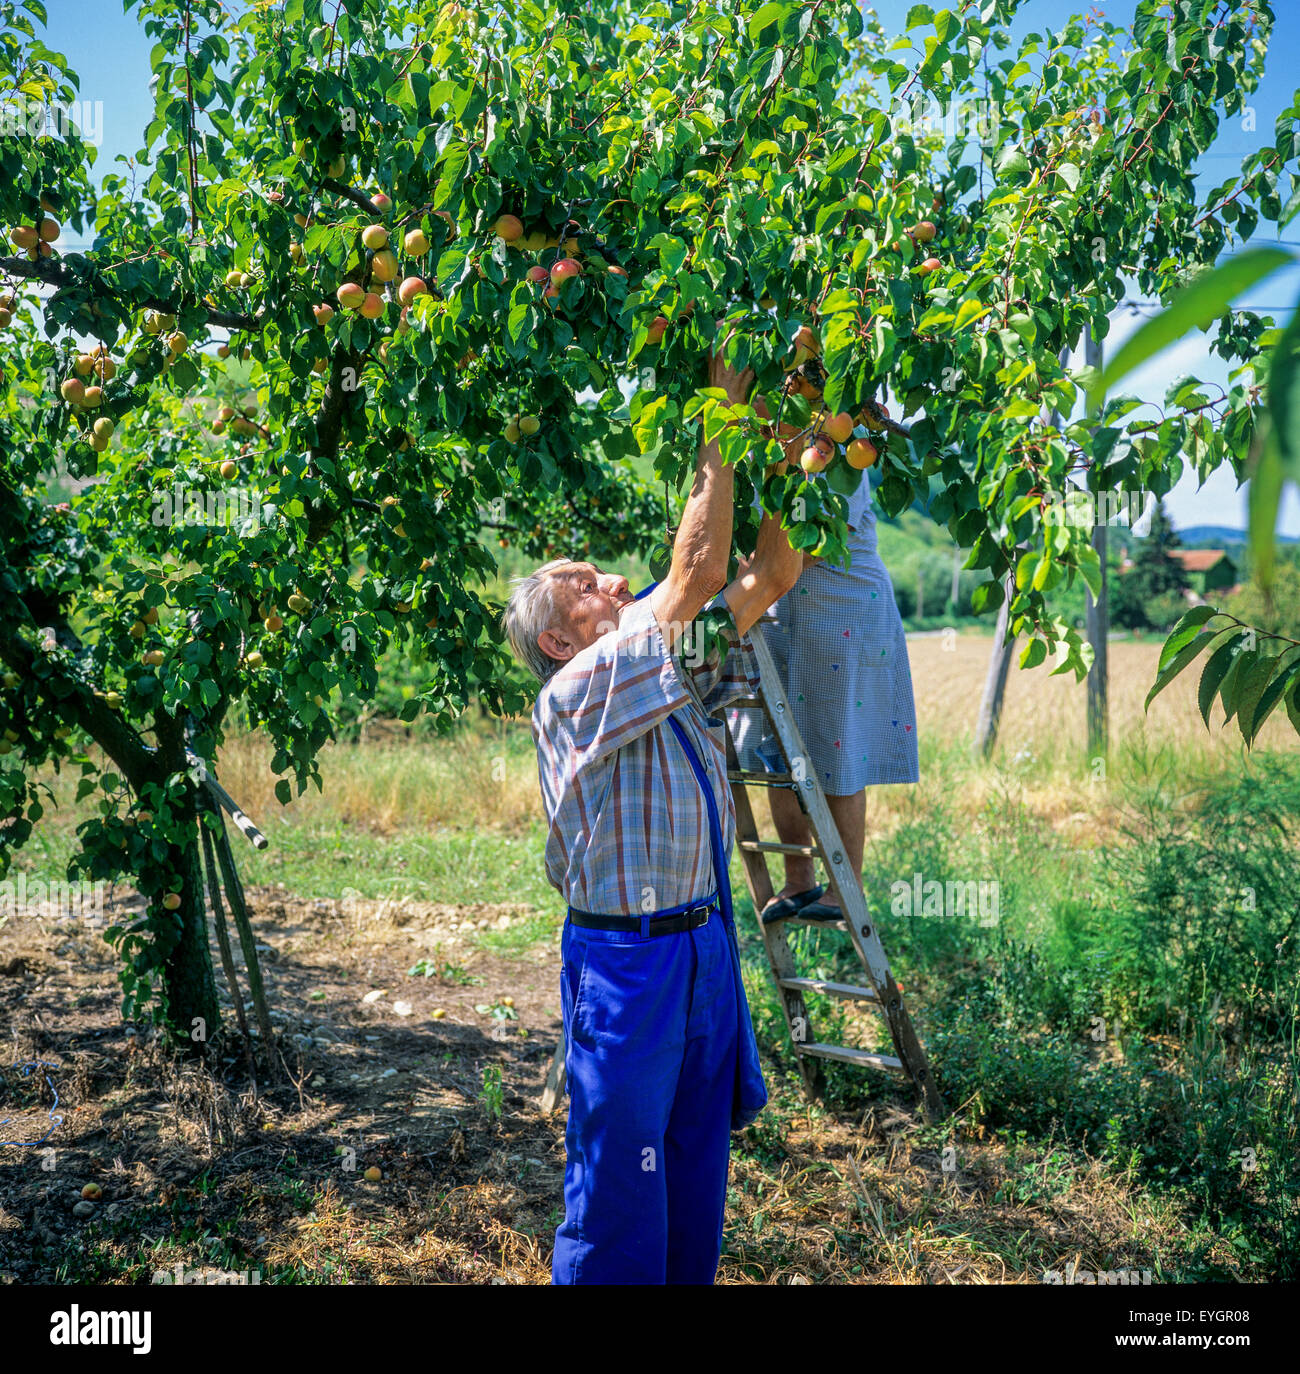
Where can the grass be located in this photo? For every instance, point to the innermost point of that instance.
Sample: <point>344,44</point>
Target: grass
<point>1120,1044</point>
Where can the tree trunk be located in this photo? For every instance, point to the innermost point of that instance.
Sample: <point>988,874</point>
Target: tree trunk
<point>1098,614</point>
<point>189,988</point>
<point>995,683</point>
<point>1098,675</point>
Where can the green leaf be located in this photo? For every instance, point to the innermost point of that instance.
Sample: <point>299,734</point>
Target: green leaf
<point>1251,684</point>
<point>1196,307</point>
<point>968,312</point>
<point>1216,669</point>
<point>1171,666</point>
<point>1287,675</point>
<point>1264,498</point>
<point>1034,653</point>
<point>987,596</point>
<point>672,253</point>
<point>1183,633</point>
<point>1284,397</point>
<point>765,15</point>
<point>647,423</point>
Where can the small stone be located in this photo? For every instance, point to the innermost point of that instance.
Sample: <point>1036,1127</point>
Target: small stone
<point>402,1008</point>
<point>84,1209</point>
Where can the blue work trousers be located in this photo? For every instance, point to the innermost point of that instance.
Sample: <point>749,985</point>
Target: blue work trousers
<point>654,1034</point>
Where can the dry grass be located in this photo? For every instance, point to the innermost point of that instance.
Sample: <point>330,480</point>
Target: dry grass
<point>407,780</point>
<point>488,780</point>
<point>1048,715</point>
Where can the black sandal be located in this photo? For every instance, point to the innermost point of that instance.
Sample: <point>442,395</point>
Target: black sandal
<point>819,911</point>
<point>790,906</point>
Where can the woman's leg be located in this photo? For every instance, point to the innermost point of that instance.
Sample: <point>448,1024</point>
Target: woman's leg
<point>792,826</point>
<point>850,816</point>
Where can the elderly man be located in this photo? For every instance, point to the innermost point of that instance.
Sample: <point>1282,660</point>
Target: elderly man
<point>661,1061</point>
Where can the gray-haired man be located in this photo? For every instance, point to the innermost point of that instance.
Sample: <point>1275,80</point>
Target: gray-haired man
<point>661,1059</point>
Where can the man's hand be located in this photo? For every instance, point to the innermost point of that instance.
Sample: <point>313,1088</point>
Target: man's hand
<point>737,385</point>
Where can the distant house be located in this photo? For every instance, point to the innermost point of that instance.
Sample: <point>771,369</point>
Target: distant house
<point>1208,570</point>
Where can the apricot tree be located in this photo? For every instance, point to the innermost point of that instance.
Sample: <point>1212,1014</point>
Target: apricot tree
<point>390,273</point>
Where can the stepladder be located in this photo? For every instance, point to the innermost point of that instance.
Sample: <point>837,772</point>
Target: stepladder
<point>879,992</point>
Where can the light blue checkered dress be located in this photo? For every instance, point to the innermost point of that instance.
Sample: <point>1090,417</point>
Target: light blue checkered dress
<point>842,656</point>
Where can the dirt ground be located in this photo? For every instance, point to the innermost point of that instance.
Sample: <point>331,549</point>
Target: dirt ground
<point>205,1180</point>
<point>379,1069</point>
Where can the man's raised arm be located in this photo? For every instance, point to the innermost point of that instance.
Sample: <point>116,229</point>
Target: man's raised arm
<point>702,548</point>
<point>764,578</point>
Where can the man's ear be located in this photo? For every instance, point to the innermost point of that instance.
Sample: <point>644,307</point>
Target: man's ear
<point>555,646</point>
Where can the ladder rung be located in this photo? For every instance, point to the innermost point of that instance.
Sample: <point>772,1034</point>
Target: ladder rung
<point>830,989</point>
<point>747,704</point>
<point>863,1058</point>
<point>808,851</point>
<point>758,779</point>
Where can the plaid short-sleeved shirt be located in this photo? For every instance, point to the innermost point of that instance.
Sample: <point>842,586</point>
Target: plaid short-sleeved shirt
<point>628,826</point>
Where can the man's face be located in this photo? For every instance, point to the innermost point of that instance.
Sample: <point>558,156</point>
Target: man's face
<point>588,604</point>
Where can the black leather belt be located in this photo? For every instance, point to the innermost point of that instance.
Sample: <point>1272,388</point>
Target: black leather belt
<point>691,919</point>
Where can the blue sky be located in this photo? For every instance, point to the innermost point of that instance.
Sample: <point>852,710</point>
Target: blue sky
<point>110,52</point>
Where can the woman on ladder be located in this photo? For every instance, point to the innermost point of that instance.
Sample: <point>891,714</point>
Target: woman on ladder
<point>841,654</point>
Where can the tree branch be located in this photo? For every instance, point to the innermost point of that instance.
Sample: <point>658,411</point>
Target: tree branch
<point>70,698</point>
<point>58,275</point>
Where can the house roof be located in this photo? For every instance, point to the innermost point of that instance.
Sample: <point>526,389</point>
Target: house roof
<point>1198,560</point>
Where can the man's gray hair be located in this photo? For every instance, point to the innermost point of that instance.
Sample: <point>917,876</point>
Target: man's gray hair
<point>530,610</point>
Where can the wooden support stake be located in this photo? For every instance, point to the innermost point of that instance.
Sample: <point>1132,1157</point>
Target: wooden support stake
<point>223,941</point>
<point>247,942</point>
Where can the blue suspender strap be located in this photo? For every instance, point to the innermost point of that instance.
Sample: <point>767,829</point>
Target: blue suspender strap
<point>720,875</point>
<point>750,1094</point>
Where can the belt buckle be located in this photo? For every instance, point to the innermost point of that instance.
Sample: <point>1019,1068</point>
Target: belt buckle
<point>699,915</point>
